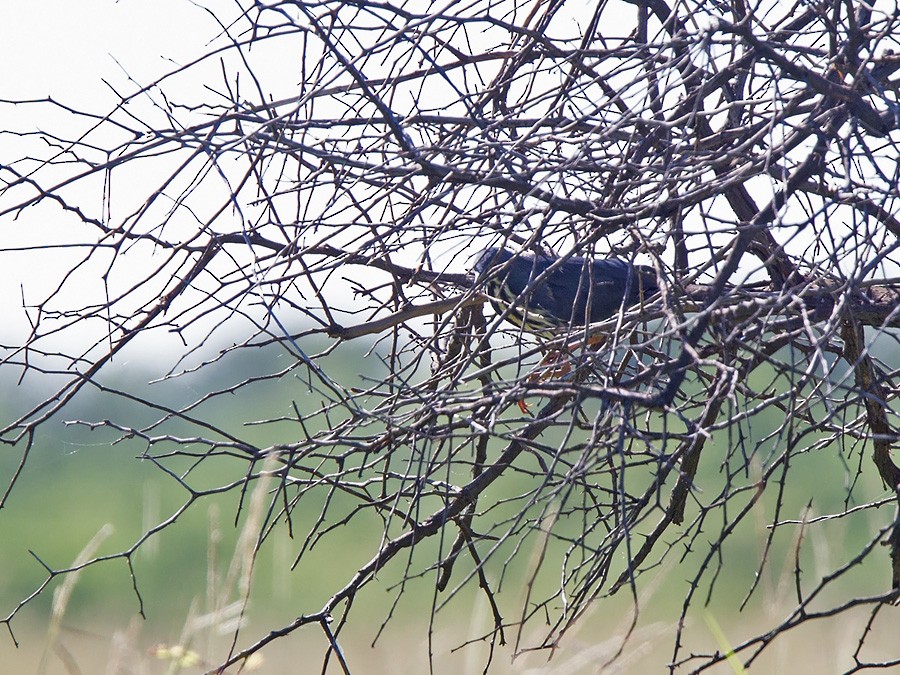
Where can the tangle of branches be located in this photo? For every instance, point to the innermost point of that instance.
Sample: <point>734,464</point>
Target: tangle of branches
<point>318,183</point>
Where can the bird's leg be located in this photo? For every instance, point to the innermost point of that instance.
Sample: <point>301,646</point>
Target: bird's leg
<point>556,363</point>
<point>595,340</point>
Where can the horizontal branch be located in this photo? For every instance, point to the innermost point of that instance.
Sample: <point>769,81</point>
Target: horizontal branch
<point>878,306</point>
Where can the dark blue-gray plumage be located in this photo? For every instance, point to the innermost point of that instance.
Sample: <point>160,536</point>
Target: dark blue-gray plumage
<point>577,291</point>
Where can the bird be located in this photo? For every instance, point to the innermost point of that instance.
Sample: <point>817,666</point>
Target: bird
<point>576,292</point>
<point>546,295</point>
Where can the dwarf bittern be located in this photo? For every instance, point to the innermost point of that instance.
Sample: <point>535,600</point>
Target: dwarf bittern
<point>575,292</point>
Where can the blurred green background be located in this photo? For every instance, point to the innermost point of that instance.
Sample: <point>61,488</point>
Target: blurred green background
<point>76,484</point>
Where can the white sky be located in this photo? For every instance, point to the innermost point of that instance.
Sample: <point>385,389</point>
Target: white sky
<point>66,47</point>
<point>78,52</point>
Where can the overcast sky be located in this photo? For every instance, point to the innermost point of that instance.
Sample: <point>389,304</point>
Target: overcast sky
<point>76,52</point>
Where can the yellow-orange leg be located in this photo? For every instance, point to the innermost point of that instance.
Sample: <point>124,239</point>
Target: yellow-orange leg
<point>554,357</point>
<point>543,373</point>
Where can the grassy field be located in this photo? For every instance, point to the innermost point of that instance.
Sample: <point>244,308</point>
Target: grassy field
<point>82,497</point>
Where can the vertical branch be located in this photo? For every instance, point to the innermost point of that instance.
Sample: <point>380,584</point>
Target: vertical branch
<point>869,385</point>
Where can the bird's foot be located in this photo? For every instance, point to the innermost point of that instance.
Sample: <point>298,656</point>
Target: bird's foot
<point>556,364</point>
